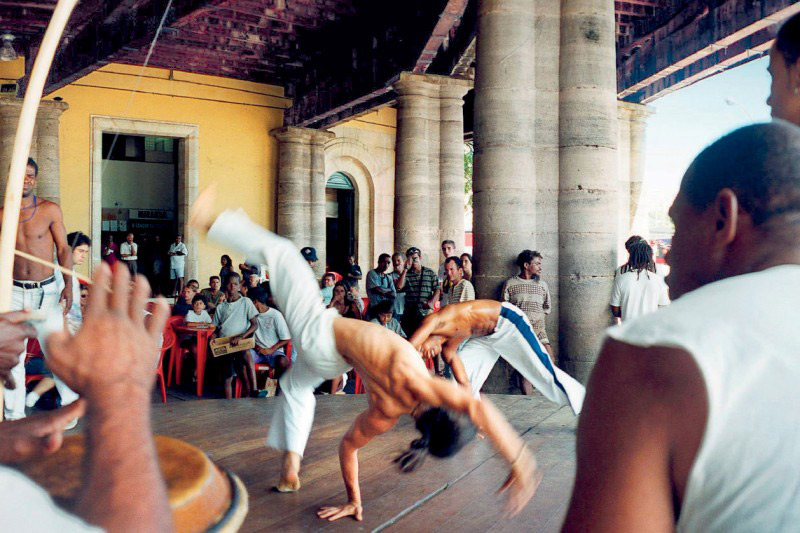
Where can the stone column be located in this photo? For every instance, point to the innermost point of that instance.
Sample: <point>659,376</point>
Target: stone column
<point>294,161</point>
<point>638,143</point>
<point>9,117</point>
<point>451,163</point>
<point>504,182</point>
<point>431,253</point>
<point>49,183</point>
<point>412,168</point>
<point>548,30</point>
<point>588,174</point>
<point>317,214</point>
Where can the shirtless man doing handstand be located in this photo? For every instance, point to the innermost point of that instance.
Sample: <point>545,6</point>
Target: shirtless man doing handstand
<point>471,336</point>
<point>395,376</point>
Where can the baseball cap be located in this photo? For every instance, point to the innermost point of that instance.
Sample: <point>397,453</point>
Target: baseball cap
<point>309,253</point>
<point>413,250</point>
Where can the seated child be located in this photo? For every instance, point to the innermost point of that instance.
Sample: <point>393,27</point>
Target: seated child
<point>272,334</point>
<point>184,302</point>
<point>196,315</point>
<point>383,311</point>
<point>328,281</point>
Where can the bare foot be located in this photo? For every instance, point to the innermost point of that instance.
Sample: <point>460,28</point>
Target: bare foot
<point>290,483</point>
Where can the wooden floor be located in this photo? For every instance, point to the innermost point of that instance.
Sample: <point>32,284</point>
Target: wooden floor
<point>442,495</point>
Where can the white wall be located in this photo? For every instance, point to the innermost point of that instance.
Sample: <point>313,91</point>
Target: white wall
<point>137,185</point>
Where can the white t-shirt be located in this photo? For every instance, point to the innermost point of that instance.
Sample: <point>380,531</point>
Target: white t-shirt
<point>638,293</point>
<point>741,331</point>
<point>203,317</point>
<point>271,329</point>
<point>177,261</point>
<point>25,506</point>
<point>131,249</point>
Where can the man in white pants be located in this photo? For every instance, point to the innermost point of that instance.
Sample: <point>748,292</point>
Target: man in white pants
<point>471,336</point>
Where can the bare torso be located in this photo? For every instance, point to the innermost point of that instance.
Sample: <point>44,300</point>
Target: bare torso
<point>384,360</point>
<point>476,318</point>
<point>35,236</point>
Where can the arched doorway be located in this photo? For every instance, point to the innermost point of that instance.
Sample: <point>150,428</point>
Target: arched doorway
<point>340,235</point>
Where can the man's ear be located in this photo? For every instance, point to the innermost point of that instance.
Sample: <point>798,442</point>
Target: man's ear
<point>726,210</point>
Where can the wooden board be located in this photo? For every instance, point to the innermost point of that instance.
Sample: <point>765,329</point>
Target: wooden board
<point>457,494</point>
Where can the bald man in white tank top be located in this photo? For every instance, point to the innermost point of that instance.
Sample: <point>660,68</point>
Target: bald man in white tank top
<point>691,418</point>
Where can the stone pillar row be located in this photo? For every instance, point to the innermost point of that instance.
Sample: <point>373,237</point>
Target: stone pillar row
<point>301,188</point>
<point>429,172</point>
<point>44,145</point>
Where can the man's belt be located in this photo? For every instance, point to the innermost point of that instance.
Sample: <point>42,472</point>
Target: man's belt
<point>34,284</point>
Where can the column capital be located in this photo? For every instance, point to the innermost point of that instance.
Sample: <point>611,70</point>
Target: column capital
<point>635,112</point>
<point>291,134</point>
<point>322,136</point>
<point>430,85</point>
<point>53,107</point>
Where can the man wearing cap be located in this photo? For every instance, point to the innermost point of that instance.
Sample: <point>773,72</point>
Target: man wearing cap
<point>421,290</point>
<point>310,255</point>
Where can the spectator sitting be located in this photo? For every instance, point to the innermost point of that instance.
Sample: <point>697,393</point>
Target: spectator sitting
<point>354,271</point>
<point>344,302</point>
<point>253,281</point>
<point>466,260</point>
<point>328,281</point>
<point>272,334</point>
<point>383,312</point>
<point>212,294</point>
<point>236,318</point>
<point>184,302</point>
<point>194,284</point>
<point>198,314</point>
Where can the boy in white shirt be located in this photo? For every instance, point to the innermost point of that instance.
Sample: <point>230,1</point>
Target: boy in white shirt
<point>236,317</point>
<point>272,334</point>
<point>198,314</point>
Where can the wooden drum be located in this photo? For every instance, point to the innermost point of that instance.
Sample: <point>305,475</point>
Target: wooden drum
<point>203,497</point>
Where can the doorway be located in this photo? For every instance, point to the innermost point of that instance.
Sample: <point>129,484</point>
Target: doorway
<point>340,235</point>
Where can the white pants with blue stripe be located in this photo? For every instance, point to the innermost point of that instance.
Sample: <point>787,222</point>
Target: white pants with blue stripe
<point>514,340</point>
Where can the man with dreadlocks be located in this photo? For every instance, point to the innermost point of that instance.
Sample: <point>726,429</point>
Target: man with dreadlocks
<point>691,421</point>
<point>638,289</point>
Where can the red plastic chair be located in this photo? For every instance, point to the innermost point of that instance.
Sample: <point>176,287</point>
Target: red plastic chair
<point>169,341</point>
<point>263,367</point>
<point>176,353</point>
<point>366,307</point>
<point>359,386</point>
<point>336,276</point>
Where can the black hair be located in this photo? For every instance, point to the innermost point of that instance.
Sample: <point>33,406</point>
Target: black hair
<point>387,256</point>
<point>342,283</point>
<point>457,260</point>
<point>77,238</point>
<point>640,258</point>
<point>444,433</point>
<point>193,281</point>
<point>383,307</point>
<point>760,163</point>
<point>526,256</point>
<point>633,239</point>
<point>212,278</point>
<point>232,275</point>
<point>199,298</point>
<point>469,256</point>
<point>32,163</point>
<point>258,294</point>
<point>227,259</point>
<point>448,241</point>
<point>787,41</point>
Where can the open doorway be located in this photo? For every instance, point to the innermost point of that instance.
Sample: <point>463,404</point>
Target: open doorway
<point>340,235</point>
<point>140,196</point>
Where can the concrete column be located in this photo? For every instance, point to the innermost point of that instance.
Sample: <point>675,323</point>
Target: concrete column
<point>294,177</point>
<point>548,31</point>
<point>623,180</point>
<point>317,215</point>
<point>451,163</point>
<point>412,167</point>
<point>588,175</point>
<point>431,253</point>
<point>638,144</point>
<point>9,117</point>
<point>504,182</point>
<point>49,183</point>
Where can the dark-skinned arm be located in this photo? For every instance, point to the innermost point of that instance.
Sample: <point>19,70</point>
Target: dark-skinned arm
<point>365,427</point>
<point>64,252</point>
<point>450,355</point>
<point>642,423</point>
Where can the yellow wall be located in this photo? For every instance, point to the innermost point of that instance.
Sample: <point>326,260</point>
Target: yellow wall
<point>384,120</point>
<point>233,117</point>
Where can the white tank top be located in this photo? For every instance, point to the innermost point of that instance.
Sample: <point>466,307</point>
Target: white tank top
<point>744,333</point>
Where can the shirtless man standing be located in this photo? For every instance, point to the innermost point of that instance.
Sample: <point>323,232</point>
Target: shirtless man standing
<point>493,330</point>
<point>396,378</point>
<point>41,226</point>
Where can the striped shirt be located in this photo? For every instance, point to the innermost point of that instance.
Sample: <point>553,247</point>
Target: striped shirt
<point>420,286</point>
<point>462,292</point>
<point>533,298</point>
